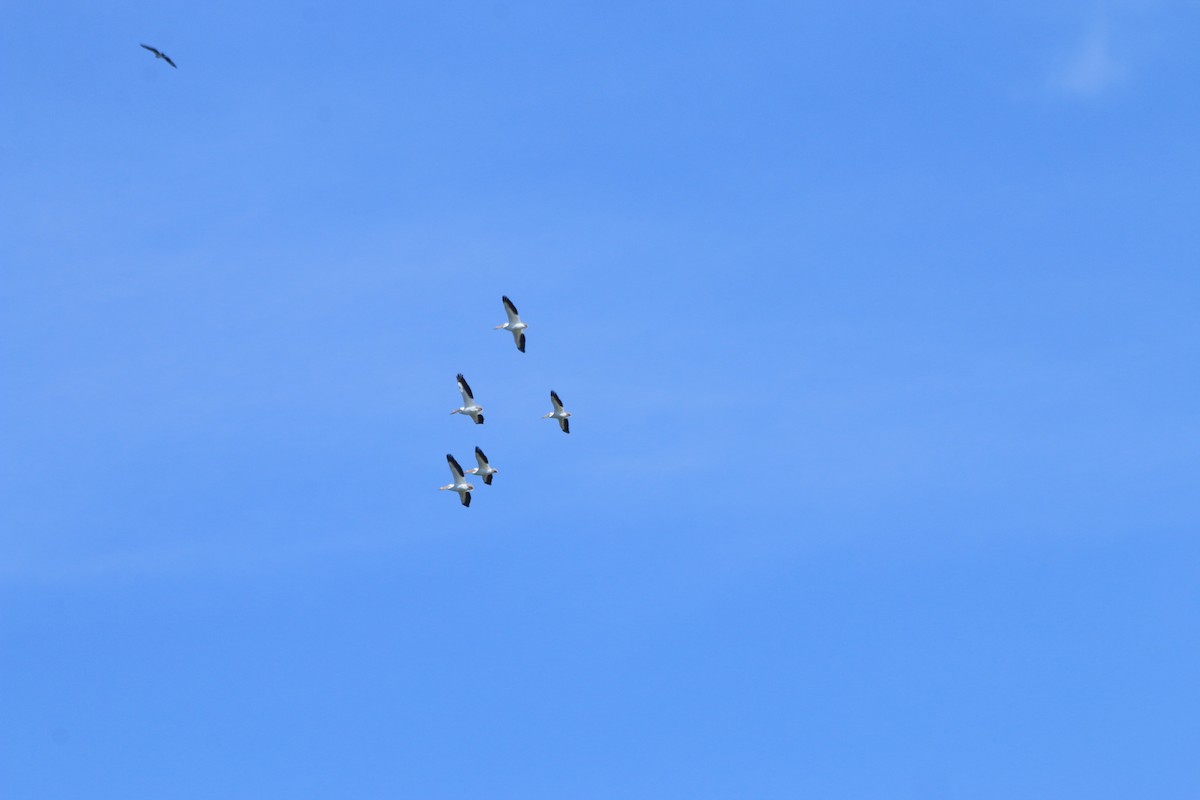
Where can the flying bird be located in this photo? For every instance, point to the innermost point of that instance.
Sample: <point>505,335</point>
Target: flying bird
<point>514,324</point>
<point>559,413</point>
<point>484,469</point>
<point>160,54</point>
<point>460,484</point>
<point>469,407</point>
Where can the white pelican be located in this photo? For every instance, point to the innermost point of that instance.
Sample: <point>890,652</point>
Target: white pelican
<point>484,469</point>
<point>514,324</point>
<point>460,484</point>
<point>559,413</point>
<point>160,54</point>
<point>469,407</point>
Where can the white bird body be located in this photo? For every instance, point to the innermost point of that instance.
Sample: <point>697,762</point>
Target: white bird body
<point>469,407</point>
<point>460,484</point>
<point>559,413</point>
<point>484,470</point>
<point>514,324</point>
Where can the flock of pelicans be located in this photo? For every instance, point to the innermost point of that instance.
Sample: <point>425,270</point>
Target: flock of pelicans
<point>471,409</point>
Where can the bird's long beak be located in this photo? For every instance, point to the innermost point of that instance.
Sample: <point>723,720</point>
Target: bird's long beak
<point>498,327</point>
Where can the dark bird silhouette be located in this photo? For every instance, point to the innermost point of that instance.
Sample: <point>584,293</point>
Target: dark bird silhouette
<point>160,54</point>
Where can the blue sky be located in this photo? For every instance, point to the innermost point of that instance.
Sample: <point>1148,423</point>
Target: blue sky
<point>878,324</point>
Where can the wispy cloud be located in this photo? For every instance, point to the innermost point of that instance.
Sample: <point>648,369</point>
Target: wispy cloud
<point>214,557</point>
<point>1091,68</point>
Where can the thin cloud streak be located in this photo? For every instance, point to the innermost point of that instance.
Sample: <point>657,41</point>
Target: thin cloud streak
<point>216,558</point>
<point>1092,69</point>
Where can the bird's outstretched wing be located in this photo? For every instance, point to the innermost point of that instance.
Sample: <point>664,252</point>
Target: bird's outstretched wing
<point>455,469</point>
<point>566,424</point>
<point>167,59</point>
<point>510,310</point>
<point>465,388</point>
<point>465,497</point>
<point>554,399</point>
<point>520,337</point>
<point>152,49</point>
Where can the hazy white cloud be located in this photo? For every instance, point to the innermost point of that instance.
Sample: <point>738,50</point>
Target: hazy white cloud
<point>1091,68</point>
<point>212,557</point>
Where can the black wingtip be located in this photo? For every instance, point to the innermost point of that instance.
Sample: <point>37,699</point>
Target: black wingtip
<point>466,499</point>
<point>566,426</point>
<point>479,419</point>
<point>479,453</point>
<point>521,344</point>
<point>488,479</point>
